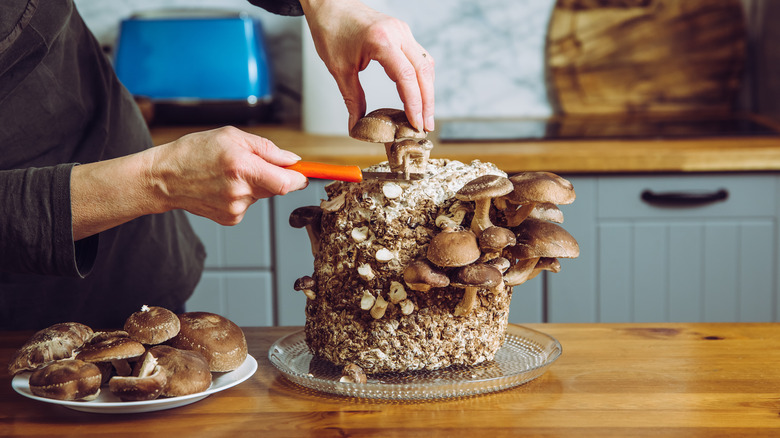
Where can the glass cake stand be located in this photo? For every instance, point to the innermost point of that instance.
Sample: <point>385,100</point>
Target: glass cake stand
<point>525,355</point>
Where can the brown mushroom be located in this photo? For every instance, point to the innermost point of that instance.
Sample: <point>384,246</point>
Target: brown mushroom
<point>531,188</point>
<point>117,350</point>
<point>453,248</point>
<point>385,125</point>
<point>58,341</point>
<point>520,272</point>
<point>308,216</point>
<point>186,371</point>
<point>482,190</point>
<point>67,379</point>
<point>152,325</point>
<point>545,264</point>
<point>419,275</point>
<point>217,338</point>
<point>472,278</point>
<point>306,284</point>
<point>408,156</point>
<point>352,373</point>
<point>536,239</point>
<point>148,384</point>
<point>500,263</point>
<point>493,240</point>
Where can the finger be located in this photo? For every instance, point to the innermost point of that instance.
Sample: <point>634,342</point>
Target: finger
<point>354,96</point>
<point>269,151</point>
<point>424,66</point>
<point>268,179</point>
<point>401,71</point>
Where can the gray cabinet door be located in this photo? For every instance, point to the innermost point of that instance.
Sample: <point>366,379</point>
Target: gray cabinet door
<point>238,280</point>
<point>714,261</point>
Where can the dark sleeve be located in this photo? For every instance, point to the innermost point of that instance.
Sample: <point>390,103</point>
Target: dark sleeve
<point>36,230</point>
<point>280,7</point>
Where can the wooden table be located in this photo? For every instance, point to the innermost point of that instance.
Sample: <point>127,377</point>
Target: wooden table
<point>613,380</point>
<point>571,156</point>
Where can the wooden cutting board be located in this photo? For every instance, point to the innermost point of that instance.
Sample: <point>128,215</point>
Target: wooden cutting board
<point>645,56</point>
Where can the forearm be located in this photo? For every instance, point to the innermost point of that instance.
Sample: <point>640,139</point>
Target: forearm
<point>108,193</point>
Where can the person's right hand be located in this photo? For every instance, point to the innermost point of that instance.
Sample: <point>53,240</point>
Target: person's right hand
<point>218,174</point>
<point>348,35</point>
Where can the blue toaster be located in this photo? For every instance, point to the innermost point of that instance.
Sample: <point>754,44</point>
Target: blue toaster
<point>196,66</point>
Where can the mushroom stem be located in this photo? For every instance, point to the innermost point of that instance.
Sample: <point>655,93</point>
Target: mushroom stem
<point>481,220</point>
<point>122,367</point>
<point>314,238</point>
<point>517,217</point>
<point>466,303</point>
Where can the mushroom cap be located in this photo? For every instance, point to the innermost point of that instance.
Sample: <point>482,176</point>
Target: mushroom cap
<point>304,282</point>
<point>452,248</point>
<point>541,187</point>
<point>217,338</point>
<point>484,187</point>
<point>107,334</point>
<point>538,238</point>
<point>55,342</point>
<point>477,275</point>
<point>67,379</point>
<point>421,276</point>
<point>495,239</point>
<point>187,371</point>
<point>116,348</point>
<point>384,125</point>
<point>152,325</point>
<point>500,263</point>
<point>306,215</point>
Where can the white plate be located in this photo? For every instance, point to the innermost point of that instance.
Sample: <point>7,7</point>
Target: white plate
<point>107,403</point>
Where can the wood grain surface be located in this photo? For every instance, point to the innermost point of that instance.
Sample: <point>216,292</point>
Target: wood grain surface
<point>616,56</point>
<point>613,380</point>
<point>711,154</point>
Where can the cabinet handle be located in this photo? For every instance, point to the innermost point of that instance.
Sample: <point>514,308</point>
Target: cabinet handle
<point>683,199</point>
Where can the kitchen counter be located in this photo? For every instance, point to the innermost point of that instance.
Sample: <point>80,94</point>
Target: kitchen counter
<point>612,380</point>
<point>572,156</point>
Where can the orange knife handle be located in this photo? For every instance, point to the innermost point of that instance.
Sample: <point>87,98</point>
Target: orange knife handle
<point>328,171</point>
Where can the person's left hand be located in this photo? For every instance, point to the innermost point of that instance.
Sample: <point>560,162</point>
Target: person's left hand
<point>348,35</point>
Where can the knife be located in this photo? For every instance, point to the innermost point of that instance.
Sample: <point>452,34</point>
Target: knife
<point>348,173</point>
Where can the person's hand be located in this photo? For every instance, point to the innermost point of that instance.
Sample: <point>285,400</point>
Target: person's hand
<point>218,174</point>
<point>348,35</point>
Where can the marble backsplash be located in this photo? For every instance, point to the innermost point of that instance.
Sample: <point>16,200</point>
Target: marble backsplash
<point>489,54</point>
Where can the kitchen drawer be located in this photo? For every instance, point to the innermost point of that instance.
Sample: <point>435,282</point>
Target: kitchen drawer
<point>246,245</point>
<point>746,195</point>
<point>245,298</point>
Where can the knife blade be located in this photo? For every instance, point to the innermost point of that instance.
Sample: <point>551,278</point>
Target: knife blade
<point>339,172</point>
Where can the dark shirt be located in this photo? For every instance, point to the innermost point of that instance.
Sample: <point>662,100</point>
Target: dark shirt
<point>61,104</point>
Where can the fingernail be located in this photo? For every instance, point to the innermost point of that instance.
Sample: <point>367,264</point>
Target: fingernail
<point>352,121</point>
<point>429,124</point>
<point>291,155</point>
<point>418,122</point>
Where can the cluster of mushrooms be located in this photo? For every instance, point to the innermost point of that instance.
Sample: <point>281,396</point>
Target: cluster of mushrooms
<point>513,234</point>
<point>157,354</point>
